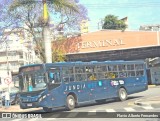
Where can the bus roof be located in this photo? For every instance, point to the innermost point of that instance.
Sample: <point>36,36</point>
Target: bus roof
<point>86,63</point>
<point>94,62</point>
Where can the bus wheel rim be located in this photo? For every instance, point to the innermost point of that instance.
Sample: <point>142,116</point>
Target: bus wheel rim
<point>71,102</point>
<point>123,95</point>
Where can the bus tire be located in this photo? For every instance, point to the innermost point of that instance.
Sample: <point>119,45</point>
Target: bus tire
<point>122,94</point>
<point>47,109</point>
<point>70,102</point>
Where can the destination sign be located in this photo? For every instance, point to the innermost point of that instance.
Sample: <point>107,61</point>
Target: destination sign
<point>31,68</point>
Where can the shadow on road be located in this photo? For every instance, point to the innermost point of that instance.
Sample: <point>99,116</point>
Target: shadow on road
<point>93,103</point>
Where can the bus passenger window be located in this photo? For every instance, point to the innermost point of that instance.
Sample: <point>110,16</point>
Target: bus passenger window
<point>130,67</point>
<point>121,67</point>
<point>81,77</point>
<point>101,69</point>
<point>110,75</point>
<point>122,74</point>
<point>66,79</point>
<point>112,68</point>
<point>92,77</point>
<point>139,73</point>
<point>139,66</point>
<point>101,75</point>
<point>131,73</point>
<point>71,78</point>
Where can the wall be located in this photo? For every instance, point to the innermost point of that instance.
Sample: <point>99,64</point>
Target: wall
<point>155,75</point>
<point>108,40</point>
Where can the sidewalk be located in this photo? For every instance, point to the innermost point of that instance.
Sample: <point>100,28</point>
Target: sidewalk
<point>16,108</point>
<point>149,101</point>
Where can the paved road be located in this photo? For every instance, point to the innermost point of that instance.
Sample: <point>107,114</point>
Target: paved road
<point>110,108</point>
<point>115,106</point>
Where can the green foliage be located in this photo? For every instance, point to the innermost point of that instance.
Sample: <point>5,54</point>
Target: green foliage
<point>112,22</point>
<point>58,54</point>
<point>30,12</point>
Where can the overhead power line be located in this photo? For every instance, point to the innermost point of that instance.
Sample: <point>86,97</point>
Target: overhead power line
<point>123,5</point>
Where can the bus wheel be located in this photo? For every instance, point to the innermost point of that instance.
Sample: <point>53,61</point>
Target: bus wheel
<point>70,102</point>
<point>122,94</point>
<point>47,109</point>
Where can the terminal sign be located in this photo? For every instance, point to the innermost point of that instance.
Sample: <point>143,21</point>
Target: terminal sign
<point>100,43</point>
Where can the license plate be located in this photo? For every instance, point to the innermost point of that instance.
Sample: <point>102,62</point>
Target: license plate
<point>29,104</point>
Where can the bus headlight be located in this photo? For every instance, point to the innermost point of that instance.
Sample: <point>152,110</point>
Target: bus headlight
<point>44,96</point>
<point>41,98</point>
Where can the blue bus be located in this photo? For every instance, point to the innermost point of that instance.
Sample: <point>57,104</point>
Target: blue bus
<point>67,84</point>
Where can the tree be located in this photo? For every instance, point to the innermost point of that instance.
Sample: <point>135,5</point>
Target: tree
<point>29,12</point>
<point>5,20</point>
<point>112,22</point>
<point>57,51</point>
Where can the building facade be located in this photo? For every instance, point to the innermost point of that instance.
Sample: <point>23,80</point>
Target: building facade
<point>155,27</point>
<point>111,45</point>
<point>16,50</point>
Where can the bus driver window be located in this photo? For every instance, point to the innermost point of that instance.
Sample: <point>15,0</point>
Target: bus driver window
<point>51,77</point>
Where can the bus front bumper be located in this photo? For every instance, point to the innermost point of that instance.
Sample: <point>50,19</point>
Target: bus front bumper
<point>29,105</point>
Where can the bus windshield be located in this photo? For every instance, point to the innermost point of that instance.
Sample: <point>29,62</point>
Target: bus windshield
<point>32,81</point>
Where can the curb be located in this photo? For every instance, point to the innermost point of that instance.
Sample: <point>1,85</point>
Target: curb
<point>17,109</point>
<point>141,104</point>
<point>151,86</point>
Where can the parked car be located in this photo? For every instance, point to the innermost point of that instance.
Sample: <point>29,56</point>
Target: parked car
<point>14,96</point>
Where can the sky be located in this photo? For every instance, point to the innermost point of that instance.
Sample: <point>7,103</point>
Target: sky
<point>139,12</point>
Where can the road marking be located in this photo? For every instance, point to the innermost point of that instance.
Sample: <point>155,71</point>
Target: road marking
<point>110,110</point>
<point>49,119</point>
<point>131,103</point>
<point>148,107</point>
<point>129,109</point>
<point>33,119</point>
<point>72,114</point>
<point>56,115</point>
<point>17,119</point>
<point>92,112</point>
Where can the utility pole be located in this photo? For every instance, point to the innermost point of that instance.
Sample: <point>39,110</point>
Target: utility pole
<point>47,34</point>
<point>7,57</point>
<point>8,73</point>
